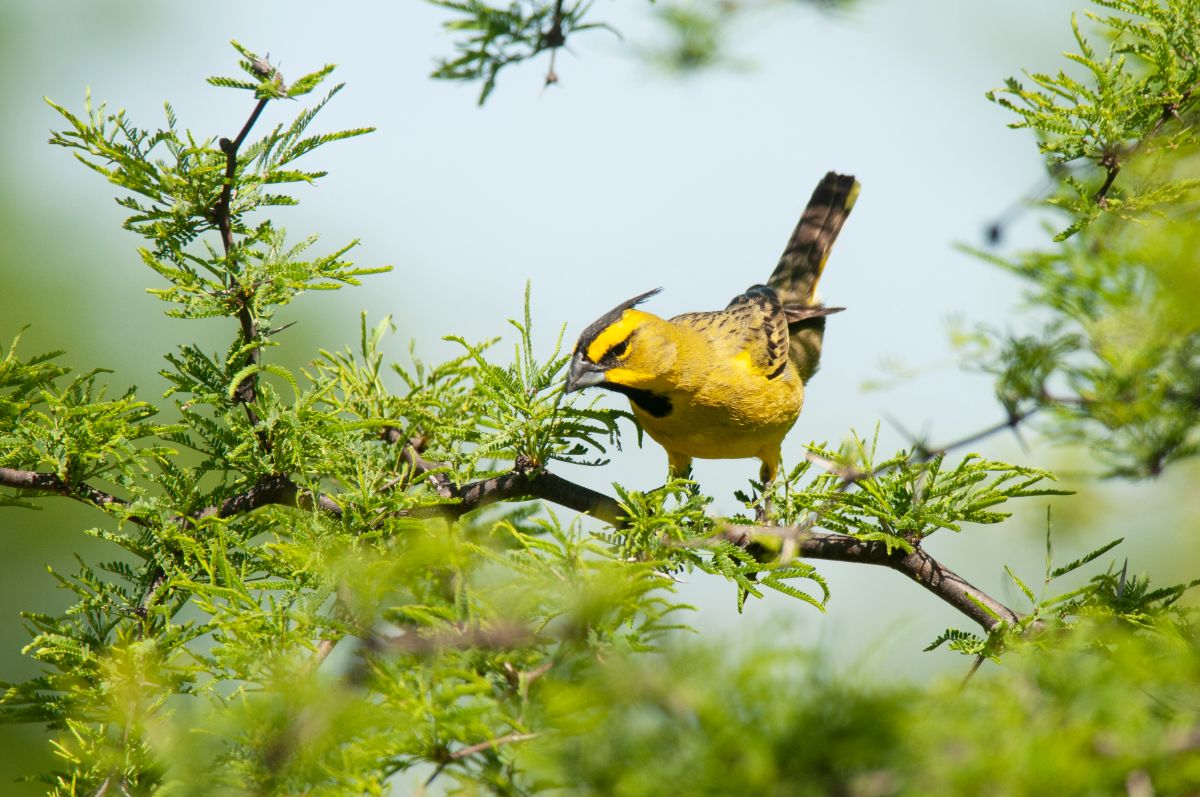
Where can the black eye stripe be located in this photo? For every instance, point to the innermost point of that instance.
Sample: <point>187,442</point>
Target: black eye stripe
<point>620,349</point>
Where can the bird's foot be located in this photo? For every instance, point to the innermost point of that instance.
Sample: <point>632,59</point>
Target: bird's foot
<point>762,512</point>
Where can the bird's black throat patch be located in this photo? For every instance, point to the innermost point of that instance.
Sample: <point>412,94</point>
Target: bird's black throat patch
<point>655,404</point>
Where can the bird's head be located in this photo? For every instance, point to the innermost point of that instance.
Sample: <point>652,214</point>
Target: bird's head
<point>625,350</point>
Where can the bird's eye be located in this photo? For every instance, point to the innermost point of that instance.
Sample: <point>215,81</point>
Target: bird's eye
<point>620,349</point>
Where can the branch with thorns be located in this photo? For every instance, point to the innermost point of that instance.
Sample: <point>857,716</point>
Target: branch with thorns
<point>520,484</point>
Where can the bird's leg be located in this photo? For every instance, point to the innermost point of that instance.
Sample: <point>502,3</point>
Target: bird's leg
<point>766,474</point>
<point>679,466</point>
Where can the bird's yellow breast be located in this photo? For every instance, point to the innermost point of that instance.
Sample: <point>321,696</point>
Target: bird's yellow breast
<point>723,406</point>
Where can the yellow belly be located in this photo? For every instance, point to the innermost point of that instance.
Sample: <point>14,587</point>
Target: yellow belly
<point>729,416</point>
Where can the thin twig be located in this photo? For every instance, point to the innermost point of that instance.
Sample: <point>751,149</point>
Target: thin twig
<point>429,780</point>
<point>246,392</point>
<point>465,752</point>
<point>1015,419</point>
<point>554,39</point>
<point>510,738</point>
<point>1111,160</point>
<point>979,660</point>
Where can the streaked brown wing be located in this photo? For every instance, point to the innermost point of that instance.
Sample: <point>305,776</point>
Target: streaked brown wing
<point>763,328</point>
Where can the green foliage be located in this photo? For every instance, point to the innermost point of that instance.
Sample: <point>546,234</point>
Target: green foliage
<point>670,526</point>
<point>1089,714</point>
<point>1116,365</point>
<point>267,83</point>
<point>181,197</point>
<point>521,413</point>
<point>493,37</point>
<point>330,581</point>
<point>67,426</point>
<point>1112,599</point>
<point>695,35</point>
<point>296,520</point>
<point>903,499</point>
<point>1129,101</point>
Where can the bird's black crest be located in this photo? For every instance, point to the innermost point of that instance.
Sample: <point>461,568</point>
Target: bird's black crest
<point>603,322</point>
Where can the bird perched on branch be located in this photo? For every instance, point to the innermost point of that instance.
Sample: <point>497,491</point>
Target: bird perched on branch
<point>725,384</point>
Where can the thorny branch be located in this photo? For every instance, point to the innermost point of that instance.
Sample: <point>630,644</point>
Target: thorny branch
<point>924,453</point>
<point>554,39</point>
<point>245,392</point>
<point>802,540</point>
<point>918,566</point>
<point>53,484</point>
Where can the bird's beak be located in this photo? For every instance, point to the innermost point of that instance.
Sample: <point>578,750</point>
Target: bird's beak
<point>583,373</point>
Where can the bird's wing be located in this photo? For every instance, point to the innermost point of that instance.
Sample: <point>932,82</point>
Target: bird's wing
<point>753,327</point>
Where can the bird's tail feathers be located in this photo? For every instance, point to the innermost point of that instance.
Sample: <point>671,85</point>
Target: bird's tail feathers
<point>795,278</point>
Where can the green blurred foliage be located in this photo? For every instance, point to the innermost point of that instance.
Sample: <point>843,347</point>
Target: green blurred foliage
<point>287,598</point>
<point>1100,710</point>
<point>1115,363</point>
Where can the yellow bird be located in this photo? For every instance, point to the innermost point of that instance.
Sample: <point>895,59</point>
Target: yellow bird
<point>725,384</point>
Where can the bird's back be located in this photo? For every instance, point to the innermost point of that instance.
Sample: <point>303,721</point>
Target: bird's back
<point>751,330</point>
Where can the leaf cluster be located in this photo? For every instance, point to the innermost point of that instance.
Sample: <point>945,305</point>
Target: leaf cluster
<point>180,187</point>
<point>901,500</point>
<point>1131,100</point>
<point>1113,361</point>
<point>521,415</point>
<point>1117,365</point>
<point>1111,599</point>
<point>1097,710</point>
<point>492,37</point>
<point>67,425</point>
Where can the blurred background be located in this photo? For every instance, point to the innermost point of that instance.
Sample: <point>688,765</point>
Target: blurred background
<point>621,178</point>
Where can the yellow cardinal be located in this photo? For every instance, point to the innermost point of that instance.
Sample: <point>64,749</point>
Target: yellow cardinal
<point>729,383</point>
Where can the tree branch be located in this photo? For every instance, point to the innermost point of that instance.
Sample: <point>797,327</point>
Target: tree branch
<point>514,484</point>
<point>51,483</point>
<point>276,489</point>
<point>271,490</point>
<point>1014,420</point>
<point>247,390</point>
<point>918,566</point>
<point>518,485</point>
